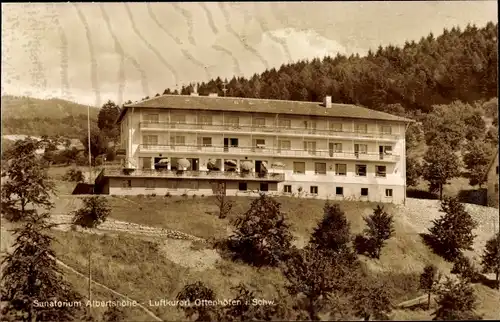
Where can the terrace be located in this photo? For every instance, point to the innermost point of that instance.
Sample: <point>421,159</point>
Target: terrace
<point>188,174</point>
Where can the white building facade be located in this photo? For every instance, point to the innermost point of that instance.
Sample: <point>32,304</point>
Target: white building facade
<point>307,149</point>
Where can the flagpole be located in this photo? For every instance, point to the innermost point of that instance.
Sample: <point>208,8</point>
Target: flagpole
<point>90,157</point>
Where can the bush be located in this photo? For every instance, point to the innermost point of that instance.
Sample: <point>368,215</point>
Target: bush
<point>456,301</point>
<point>168,195</point>
<point>491,258</point>
<point>74,175</point>
<point>464,268</point>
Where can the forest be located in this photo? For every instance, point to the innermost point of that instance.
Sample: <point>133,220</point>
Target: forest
<point>456,65</point>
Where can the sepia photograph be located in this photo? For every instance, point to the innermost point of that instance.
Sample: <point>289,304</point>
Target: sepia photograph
<point>249,161</point>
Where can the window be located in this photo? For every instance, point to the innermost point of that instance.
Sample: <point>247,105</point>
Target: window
<point>385,129</point>
<point>284,145</point>
<point>151,118</point>
<point>259,122</point>
<point>177,140</point>
<point>310,124</point>
<point>287,189</point>
<point>233,121</point>
<point>242,186</point>
<point>314,190</point>
<point>285,123</point>
<point>206,141</point>
<point>339,191</point>
<point>360,149</point>
<point>150,139</point>
<point>310,147</point>
<point>260,143</point>
<point>150,184</point>
<point>264,186</point>
<point>299,167</point>
<point>337,147</point>
<point>178,119</point>
<point>361,128</point>
<point>320,168</point>
<point>206,119</point>
<point>380,170</point>
<point>335,127</point>
<point>340,169</point>
<point>361,170</point>
<point>364,191</point>
<point>127,184</point>
<point>388,192</point>
<point>233,142</point>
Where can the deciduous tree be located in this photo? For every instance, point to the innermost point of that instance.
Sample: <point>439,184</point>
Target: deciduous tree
<point>440,165</point>
<point>262,235</point>
<point>27,184</point>
<point>491,258</point>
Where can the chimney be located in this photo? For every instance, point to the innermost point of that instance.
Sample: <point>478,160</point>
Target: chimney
<point>213,95</point>
<point>328,101</point>
<point>195,93</point>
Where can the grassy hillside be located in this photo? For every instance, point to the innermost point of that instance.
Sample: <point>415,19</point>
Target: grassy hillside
<point>37,117</point>
<point>150,268</point>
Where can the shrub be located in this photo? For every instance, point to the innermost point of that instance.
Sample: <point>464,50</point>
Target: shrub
<point>168,195</point>
<point>94,212</point>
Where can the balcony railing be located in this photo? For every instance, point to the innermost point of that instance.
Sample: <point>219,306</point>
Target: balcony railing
<point>188,174</point>
<point>268,129</point>
<point>265,151</point>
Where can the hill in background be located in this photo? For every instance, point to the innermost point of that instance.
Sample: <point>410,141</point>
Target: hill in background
<point>51,117</point>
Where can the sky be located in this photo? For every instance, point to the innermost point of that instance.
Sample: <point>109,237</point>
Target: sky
<point>94,52</point>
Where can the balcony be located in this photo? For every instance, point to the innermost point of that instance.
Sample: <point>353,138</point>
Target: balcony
<point>267,130</point>
<point>267,151</point>
<point>207,175</point>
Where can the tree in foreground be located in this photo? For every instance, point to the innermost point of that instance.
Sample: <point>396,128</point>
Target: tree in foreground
<point>333,232</point>
<point>371,300</point>
<point>491,258</point>
<point>452,232</point>
<point>429,280</point>
<point>380,227</point>
<point>440,165</point>
<point>198,291</point>
<point>31,274</point>
<point>262,236</point>
<point>314,275</point>
<point>95,211</point>
<point>456,301</point>
<point>242,307</point>
<point>27,184</point>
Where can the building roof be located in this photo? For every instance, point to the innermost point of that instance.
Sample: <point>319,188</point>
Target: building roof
<point>237,104</point>
<point>492,162</point>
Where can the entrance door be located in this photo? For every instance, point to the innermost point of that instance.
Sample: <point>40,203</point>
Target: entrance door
<point>226,144</point>
<point>258,165</point>
<point>331,148</point>
<point>146,163</point>
<point>195,164</point>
